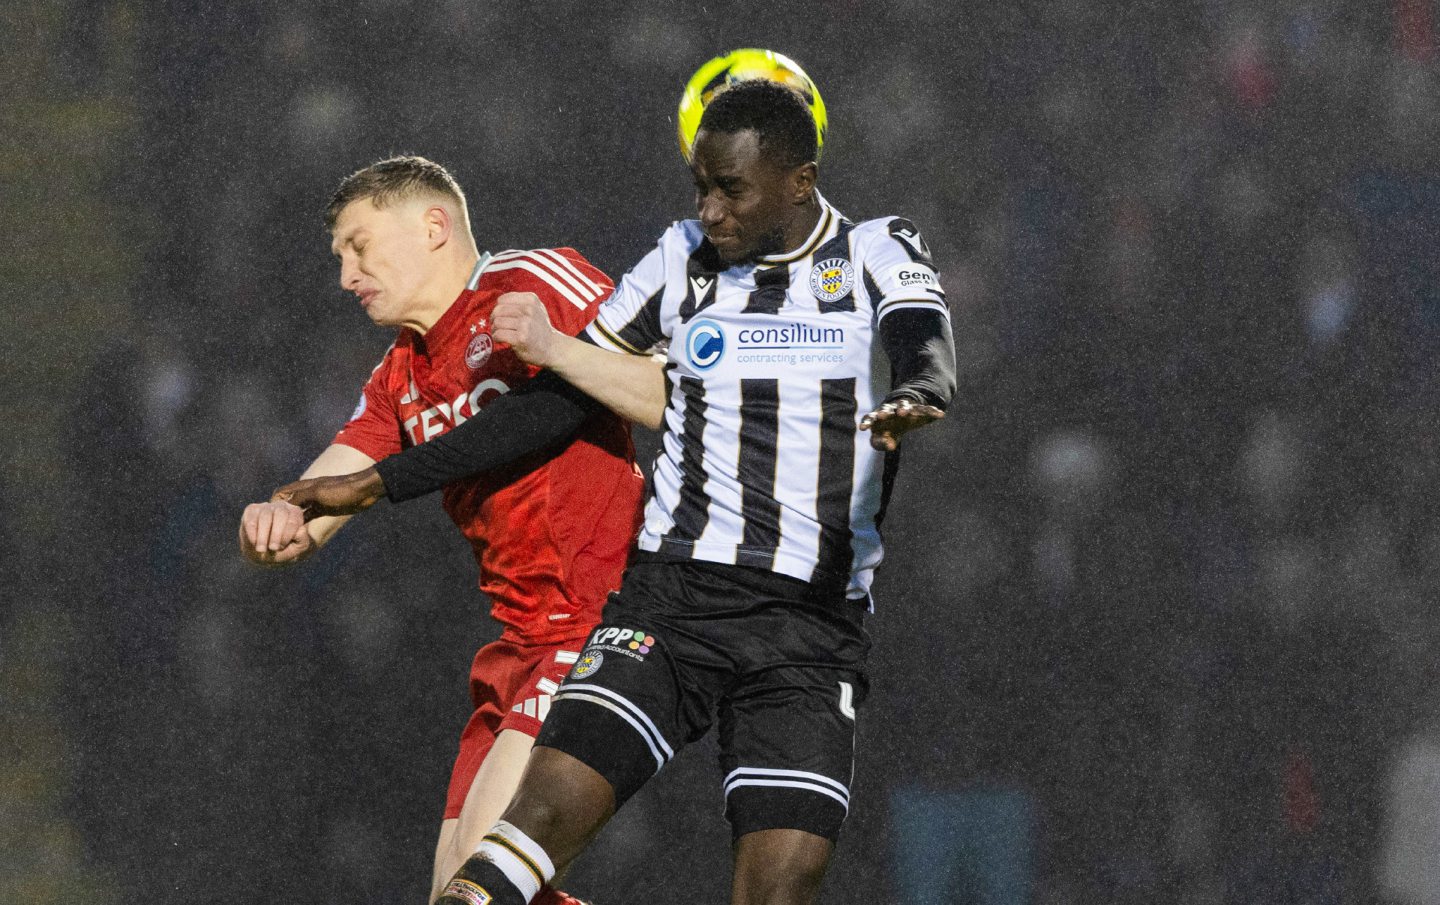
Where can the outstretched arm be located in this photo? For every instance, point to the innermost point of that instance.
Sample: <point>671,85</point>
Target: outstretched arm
<point>577,378</point>
<point>543,413</point>
<point>921,350</point>
<point>275,533</point>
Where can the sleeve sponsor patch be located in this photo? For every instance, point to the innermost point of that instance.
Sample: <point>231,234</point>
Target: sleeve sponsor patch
<point>908,276</point>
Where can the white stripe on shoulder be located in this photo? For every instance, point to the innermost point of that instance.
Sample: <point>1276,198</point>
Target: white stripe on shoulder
<point>564,269</point>
<point>557,264</point>
<point>529,266</point>
<point>567,266</point>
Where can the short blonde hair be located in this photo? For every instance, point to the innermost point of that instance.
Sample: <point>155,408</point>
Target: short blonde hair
<point>391,180</point>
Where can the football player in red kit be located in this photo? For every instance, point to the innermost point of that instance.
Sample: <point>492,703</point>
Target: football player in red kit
<point>551,532</point>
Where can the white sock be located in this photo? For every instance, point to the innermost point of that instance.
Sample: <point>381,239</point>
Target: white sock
<point>520,858</point>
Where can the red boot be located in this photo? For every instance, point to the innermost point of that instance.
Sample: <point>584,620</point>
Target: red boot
<point>549,895</point>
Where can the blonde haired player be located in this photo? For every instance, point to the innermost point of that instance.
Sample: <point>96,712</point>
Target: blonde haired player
<point>550,532</point>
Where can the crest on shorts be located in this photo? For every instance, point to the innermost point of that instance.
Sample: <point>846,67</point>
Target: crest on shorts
<point>587,665</point>
<point>478,352</point>
<point>832,279</point>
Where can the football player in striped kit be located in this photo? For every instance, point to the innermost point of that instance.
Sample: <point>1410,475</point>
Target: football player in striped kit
<point>551,533</point>
<point>743,606</point>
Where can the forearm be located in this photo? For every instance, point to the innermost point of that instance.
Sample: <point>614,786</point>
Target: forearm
<point>324,528</point>
<point>545,412</point>
<point>631,386</point>
<point>337,459</point>
<point>921,349</point>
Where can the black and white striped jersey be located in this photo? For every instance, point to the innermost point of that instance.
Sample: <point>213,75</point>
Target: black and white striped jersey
<point>772,364</point>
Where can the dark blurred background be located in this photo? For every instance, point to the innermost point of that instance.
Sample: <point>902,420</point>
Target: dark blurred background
<point>1157,623</point>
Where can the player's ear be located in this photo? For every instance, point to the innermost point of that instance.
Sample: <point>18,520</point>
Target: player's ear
<point>803,180</point>
<point>439,225</point>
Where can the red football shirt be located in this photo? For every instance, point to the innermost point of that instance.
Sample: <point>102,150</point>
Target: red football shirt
<point>551,532</point>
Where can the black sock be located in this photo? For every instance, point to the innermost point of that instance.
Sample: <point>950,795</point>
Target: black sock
<point>479,882</point>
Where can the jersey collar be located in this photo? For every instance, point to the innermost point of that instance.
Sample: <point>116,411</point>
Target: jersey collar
<point>474,280</point>
<point>453,320</point>
<point>822,231</point>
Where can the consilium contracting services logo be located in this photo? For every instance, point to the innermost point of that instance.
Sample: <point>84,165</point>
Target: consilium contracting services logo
<point>793,343</point>
<point>705,345</point>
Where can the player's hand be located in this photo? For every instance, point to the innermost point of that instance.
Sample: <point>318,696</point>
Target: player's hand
<point>274,534</point>
<point>337,495</point>
<point>521,321</point>
<point>893,419</point>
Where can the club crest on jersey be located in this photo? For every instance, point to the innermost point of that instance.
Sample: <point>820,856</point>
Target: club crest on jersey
<point>478,352</point>
<point>588,665</point>
<point>705,345</point>
<point>832,279</point>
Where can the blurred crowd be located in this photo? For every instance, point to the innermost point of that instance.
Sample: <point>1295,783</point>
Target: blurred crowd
<point>1157,620</point>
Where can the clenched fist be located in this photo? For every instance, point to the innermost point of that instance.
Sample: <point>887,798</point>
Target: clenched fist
<point>274,534</point>
<point>521,321</point>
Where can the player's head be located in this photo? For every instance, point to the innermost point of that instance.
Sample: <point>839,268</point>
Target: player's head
<point>397,226</point>
<point>754,167</point>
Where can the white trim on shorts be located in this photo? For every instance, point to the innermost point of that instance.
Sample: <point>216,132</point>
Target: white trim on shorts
<point>792,779</point>
<point>624,708</point>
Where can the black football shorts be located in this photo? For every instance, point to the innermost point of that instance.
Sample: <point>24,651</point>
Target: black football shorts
<point>778,664</point>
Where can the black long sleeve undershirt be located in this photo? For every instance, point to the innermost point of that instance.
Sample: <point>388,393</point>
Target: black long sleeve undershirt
<point>544,412</point>
<point>921,350</point>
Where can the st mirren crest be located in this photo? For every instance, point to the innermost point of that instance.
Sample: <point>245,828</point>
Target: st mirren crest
<point>587,665</point>
<point>478,352</point>
<point>832,279</point>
